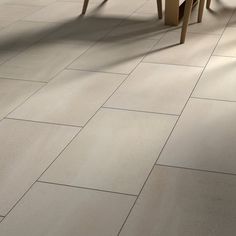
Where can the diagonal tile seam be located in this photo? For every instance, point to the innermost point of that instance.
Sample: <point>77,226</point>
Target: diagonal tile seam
<point>196,169</point>
<point>173,127</point>
<point>213,99</point>
<point>81,187</point>
<point>142,111</point>
<point>42,122</point>
<point>25,80</point>
<point>72,138</point>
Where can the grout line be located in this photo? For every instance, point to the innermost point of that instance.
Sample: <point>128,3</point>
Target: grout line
<point>97,71</point>
<point>213,99</point>
<point>198,170</point>
<point>216,55</point>
<point>41,174</point>
<point>24,80</point>
<point>141,111</point>
<point>171,131</point>
<point>42,122</point>
<point>171,64</point>
<point>80,187</point>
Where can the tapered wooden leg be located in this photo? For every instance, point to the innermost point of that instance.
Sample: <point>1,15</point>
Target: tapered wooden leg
<point>159,8</point>
<point>85,6</point>
<point>187,13</point>
<point>200,10</point>
<point>208,4</point>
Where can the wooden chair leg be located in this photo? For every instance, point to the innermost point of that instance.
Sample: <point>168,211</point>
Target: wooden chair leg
<point>159,8</point>
<point>187,13</point>
<point>200,10</point>
<point>208,4</point>
<point>85,6</point>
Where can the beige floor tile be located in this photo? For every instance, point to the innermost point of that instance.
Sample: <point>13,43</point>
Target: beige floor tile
<point>141,26</point>
<point>214,21</point>
<point>115,152</point>
<point>42,61</point>
<point>218,80</point>
<point>114,54</point>
<point>226,46</point>
<point>150,7</point>
<point>20,35</point>
<point>1,218</point>
<point>12,13</point>
<point>61,12</point>
<point>204,137</point>
<point>67,211</point>
<point>156,88</point>
<point>195,52</point>
<point>71,98</point>
<point>13,93</point>
<point>182,203</point>
<point>31,2</point>
<point>27,149</point>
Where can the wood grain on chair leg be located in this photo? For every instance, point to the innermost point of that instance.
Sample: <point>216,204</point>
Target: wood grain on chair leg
<point>85,6</point>
<point>200,10</point>
<point>187,13</point>
<point>159,8</point>
<point>208,4</point>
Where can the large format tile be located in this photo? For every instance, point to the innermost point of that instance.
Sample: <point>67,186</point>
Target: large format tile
<point>42,61</point>
<point>60,12</point>
<point>12,13</point>
<point>20,35</point>
<point>13,93</point>
<point>72,98</point>
<point>114,54</point>
<point>226,46</point>
<point>196,51</point>
<point>31,2</point>
<point>204,137</point>
<point>52,210</point>
<point>114,152</point>
<point>156,88</point>
<point>218,80</point>
<point>27,149</point>
<point>182,203</point>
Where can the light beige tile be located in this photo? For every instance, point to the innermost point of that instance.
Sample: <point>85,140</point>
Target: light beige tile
<point>218,80</point>
<point>67,211</point>
<point>42,61</point>
<point>195,52</point>
<point>150,7</point>
<point>12,13</point>
<point>140,26</point>
<point>13,93</point>
<point>226,46</point>
<point>204,137</point>
<point>156,88</point>
<point>61,12</point>
<point>114,54</point>
<point>72,98</point>
<point>114,152</point>
<point>27,149</point>
<point>31,2</point>
<point>20,35</point>
<point>182,203</point>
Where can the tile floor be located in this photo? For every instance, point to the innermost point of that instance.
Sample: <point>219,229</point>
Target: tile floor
<point>109,127</point>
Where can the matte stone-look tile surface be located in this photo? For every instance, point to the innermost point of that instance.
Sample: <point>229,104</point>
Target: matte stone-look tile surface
<point>218,80</point>
<point>27,149</point>
<point>183,202</point>
<point>115,152</point>
<point>13,93</point>
<point>156,88</point>
<point>62,211</point>
<point>204,137</point>
<point>71,98</point>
